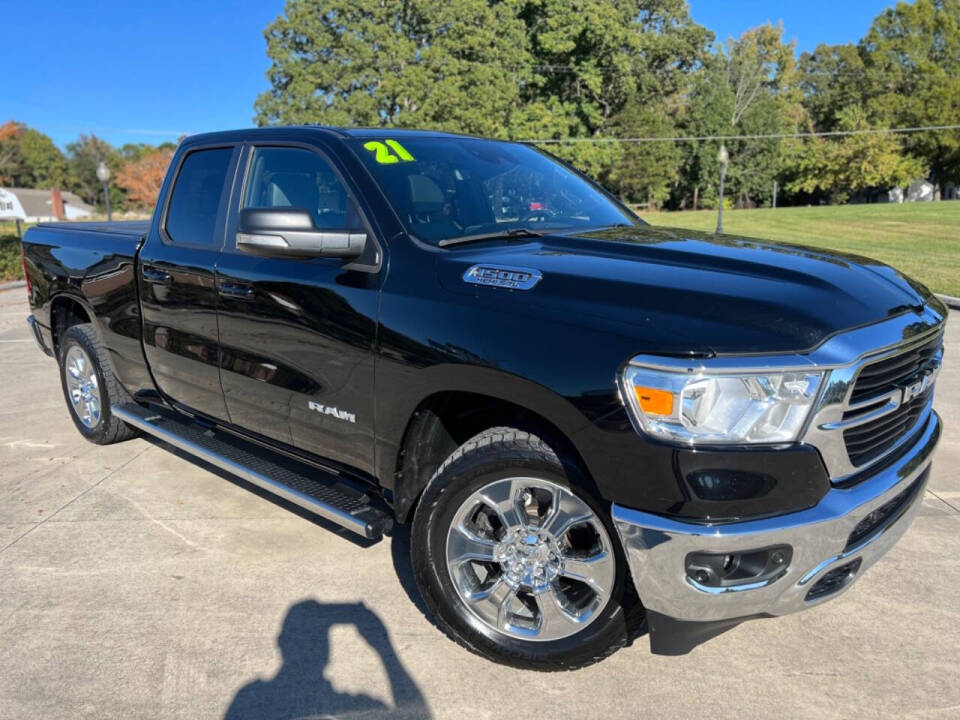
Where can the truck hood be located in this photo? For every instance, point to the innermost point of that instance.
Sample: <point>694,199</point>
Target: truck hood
<point>679,291</point>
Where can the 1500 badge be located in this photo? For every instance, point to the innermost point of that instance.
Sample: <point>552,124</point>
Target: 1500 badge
<point>501,276</point>
<point>333,411</point>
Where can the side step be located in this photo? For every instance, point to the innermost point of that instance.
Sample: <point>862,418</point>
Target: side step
<point>312,489</point>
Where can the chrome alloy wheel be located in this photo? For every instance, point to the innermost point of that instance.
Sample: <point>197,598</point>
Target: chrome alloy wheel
<point>82,384</point>
<point>530,559</point>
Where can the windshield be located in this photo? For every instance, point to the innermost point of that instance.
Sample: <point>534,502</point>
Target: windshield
<point>445,188</point>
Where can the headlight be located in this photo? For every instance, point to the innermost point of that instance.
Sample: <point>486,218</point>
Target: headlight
<point>720,407</point>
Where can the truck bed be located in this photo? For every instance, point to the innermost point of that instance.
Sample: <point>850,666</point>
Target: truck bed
<point>88,269</point>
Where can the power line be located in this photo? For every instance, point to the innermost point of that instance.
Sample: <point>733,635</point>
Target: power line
<point>800,72</point>
<point>771,136</point>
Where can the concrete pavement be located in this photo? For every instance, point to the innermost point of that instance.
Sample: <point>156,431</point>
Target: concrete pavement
<point>136,584</point>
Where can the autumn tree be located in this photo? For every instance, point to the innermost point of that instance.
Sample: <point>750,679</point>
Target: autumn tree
<point>9,150</point>
<point>142,178</point>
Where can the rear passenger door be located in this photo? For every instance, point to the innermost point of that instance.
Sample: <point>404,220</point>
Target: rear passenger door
<point>297,335</point>
<point>176,277</point>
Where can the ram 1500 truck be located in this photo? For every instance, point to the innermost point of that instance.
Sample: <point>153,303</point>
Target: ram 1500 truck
<point>588,422</point>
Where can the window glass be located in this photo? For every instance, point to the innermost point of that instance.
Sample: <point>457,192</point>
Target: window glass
<point>192,216</point>
<point>448,187</point>
<point>295,178</point>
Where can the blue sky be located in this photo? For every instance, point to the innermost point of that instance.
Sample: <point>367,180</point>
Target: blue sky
<point>149,72</point>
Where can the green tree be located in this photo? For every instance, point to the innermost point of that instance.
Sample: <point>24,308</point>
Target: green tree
<point>857,162</point>
<point>43,165</point>
<point>749,87</point>
<point>518,68</point>
<point>84,155</point>
<point>913,54</point>
<point>445,64</point>
<point>832,79</point>
<point>646,170</point>
<point>603,67</point>
<point>133,152</point>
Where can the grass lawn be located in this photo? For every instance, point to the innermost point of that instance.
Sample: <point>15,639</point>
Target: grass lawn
<point>919,239</point>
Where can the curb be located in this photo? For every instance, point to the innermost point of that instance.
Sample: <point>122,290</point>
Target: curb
<point>952,302</point>
<point>23,283</point>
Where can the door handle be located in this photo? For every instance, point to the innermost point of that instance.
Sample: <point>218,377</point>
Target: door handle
<point>238,291</point>
<point>159,277</point>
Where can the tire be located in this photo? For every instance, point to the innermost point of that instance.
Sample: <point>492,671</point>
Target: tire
<point>471,599</point>
<point>85,374</point>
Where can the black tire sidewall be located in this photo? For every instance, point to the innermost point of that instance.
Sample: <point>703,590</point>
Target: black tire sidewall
<point>75,336</point>
<point>441,500</point>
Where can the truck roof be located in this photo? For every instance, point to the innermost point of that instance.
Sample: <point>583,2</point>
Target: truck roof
<point>340,132</point>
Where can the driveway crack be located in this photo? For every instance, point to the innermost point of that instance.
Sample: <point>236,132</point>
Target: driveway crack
<point>72,501</point>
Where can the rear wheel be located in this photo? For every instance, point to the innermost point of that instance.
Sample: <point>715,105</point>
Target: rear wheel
<point>90,387</point>
<point>517,560</point>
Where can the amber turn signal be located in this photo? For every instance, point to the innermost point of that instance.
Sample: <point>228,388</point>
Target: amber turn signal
<point>654,401</point>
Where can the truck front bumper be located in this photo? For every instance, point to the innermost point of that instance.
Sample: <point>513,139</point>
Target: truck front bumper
<point>832,544</point>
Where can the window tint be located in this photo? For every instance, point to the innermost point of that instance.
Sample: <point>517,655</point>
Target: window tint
<point>290,177</point>
<point>192,216</point>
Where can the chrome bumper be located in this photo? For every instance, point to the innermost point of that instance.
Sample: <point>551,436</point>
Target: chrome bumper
<point>657,547</point>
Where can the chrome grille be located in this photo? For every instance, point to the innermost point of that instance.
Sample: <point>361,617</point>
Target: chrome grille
<point>886,375</point>
<point>880,385</point>
<point>871,440</point>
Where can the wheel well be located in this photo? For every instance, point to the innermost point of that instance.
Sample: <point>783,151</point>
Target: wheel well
<point>444,421</point>
<point>65,312</point>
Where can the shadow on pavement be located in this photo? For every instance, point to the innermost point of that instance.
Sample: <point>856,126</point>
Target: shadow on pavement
<point>300,690</point>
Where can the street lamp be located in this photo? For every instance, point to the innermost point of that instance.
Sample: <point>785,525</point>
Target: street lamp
<point>103,175</point>
<point>723,157</point>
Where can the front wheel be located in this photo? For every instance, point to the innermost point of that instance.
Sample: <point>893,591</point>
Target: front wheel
<point>517,561</point>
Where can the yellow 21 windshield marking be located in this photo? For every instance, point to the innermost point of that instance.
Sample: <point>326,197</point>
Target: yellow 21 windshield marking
<point>382,152</point>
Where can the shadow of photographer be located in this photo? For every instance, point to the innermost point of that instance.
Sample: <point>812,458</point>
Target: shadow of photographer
<point>300,690</point>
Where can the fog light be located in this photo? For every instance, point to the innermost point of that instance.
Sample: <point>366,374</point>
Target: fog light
<point>732,570</point>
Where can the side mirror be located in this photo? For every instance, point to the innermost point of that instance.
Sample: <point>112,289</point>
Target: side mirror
<point>290,232</point>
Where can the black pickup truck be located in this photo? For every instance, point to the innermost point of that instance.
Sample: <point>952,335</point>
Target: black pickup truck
<point>590,423</point>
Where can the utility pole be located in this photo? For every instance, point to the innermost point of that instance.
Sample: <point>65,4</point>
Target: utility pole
<point>774,193</point>
<point>723,157</point>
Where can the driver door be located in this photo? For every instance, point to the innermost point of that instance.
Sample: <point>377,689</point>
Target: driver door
<point>297,334</point>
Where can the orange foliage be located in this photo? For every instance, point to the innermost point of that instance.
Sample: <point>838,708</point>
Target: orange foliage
<point>142,178</point>
<point>8,150</point>
<point>8,130</point>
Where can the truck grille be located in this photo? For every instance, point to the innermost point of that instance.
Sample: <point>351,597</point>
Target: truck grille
<point>886,375</point>
<point>871,440</point>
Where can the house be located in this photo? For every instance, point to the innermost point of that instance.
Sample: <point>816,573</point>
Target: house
<point>30,205</point>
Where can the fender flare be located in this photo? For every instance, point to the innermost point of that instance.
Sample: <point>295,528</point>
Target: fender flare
<point>396,414</point>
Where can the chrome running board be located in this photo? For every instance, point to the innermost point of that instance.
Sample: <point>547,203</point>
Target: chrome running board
<point>311,489</point>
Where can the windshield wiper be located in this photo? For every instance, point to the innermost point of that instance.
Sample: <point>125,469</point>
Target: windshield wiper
<point>511,233</point>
